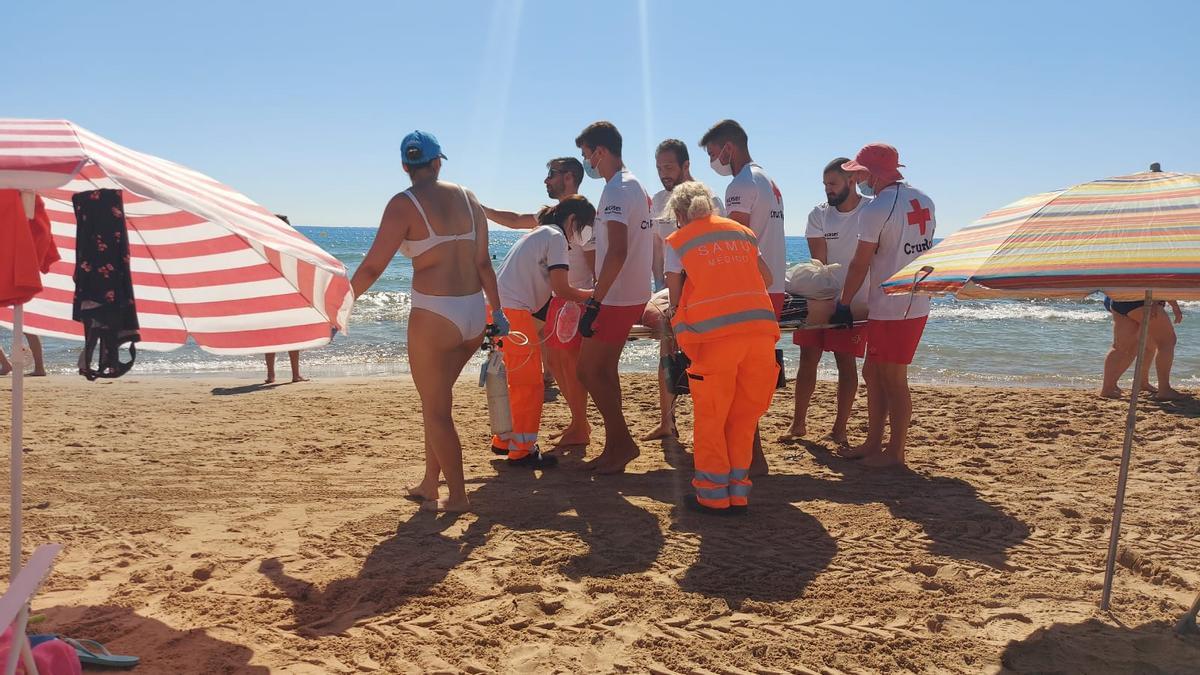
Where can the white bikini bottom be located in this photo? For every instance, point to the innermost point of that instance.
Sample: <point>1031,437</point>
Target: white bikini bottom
<point>468,312</point>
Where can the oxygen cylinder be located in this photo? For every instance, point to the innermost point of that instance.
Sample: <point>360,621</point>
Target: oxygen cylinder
<point>495,378</point>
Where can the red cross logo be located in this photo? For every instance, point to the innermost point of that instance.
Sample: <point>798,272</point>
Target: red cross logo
<point>778,194</point>
<point>918,216</point>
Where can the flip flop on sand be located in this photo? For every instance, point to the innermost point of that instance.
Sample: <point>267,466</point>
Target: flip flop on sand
<point>93,653</point>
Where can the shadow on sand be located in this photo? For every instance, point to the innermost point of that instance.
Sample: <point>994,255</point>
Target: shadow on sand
<point>771,554</point>
<point>245,388</point>
<point>162,649</point>
<point>1097,647</point>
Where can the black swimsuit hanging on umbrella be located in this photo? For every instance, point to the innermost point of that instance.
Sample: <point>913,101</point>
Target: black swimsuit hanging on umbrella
<point>103,301</point>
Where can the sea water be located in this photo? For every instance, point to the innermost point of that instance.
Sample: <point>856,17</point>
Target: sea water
<point>993,342</point>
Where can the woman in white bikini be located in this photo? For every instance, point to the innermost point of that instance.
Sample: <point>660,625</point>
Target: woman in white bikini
<point>442,228</point>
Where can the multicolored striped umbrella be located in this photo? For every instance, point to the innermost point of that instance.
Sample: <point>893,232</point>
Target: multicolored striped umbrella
<point>1132,237</point>
<point>1121,236</point>
<point>207,261</point>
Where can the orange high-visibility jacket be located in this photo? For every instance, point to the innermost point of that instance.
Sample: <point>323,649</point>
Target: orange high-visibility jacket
<point>723,291</point>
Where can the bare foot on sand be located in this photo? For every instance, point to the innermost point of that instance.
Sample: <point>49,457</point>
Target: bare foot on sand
<point>883,460</point>
<point>618,458</point>
<point>299,379</point>
<point>1169,395</point>
<point>421,493</point>
<point>269,380</point>
<point>842,440</point>
<point>447,506</point>
<point>36,373</point>
<point>798,430</point>
<point>661,431</point>
<point>860,451</point>
<point>572,436</point>
<point>1113,393</point>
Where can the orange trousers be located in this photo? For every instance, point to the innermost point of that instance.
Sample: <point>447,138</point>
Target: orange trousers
<point>732,381</point>
<point>526,392</point>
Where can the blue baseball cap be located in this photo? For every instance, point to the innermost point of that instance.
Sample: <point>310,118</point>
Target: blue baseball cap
<point>420,147</point>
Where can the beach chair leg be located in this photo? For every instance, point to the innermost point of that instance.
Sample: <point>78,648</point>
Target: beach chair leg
<point>23,652</point>
<point>1187,624</point>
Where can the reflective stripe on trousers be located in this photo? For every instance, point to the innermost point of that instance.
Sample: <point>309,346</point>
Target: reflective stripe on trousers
<point>739,379</point>
<point>526,392</point>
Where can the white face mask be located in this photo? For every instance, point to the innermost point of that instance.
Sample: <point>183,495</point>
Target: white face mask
<point>719,168</point>
<point>865,190</point>
<point>591,171</point>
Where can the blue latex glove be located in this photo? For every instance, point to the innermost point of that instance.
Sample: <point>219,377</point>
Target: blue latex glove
<point>842,318</point>
<point>590,312</point>
<point>499,326</point>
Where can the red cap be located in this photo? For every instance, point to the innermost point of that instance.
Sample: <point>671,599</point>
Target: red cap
<point>879,159</point>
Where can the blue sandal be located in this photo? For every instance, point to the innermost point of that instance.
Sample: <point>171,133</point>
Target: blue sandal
<point>95,654</point>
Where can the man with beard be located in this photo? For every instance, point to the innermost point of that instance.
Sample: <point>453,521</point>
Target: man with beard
<point>674,167</point>
<point>563,177</point>
<point>833,238</point>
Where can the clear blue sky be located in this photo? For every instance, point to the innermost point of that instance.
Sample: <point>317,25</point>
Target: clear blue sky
<point>302,106</point>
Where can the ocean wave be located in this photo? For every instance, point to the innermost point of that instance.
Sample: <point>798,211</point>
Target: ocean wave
<point>1009,312</point>
<point>382,306</point>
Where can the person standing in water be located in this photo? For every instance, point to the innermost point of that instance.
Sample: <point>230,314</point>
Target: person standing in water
<point>442,228</point>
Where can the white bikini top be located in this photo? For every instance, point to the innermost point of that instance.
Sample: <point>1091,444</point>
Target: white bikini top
<point>415,247</point>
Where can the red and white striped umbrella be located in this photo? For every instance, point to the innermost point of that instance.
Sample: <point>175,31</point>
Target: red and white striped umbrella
<point>207,261</point>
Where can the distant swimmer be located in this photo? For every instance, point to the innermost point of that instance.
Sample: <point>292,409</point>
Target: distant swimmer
<point>624,247</point>
<point>895,228</point>
<point>832,235</point>
<point>754,200</point>
<point>442,228</point>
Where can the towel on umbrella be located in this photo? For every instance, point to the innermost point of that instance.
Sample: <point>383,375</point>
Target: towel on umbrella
<point>104,301</point>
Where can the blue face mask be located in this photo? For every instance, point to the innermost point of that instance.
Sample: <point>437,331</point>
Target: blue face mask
<point>865,189</point>
<point>591,171</point>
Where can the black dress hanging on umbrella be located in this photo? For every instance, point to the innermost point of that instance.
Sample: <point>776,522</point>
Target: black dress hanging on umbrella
<point>103,284</point>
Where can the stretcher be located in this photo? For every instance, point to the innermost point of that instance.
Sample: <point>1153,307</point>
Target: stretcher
<point>794,318</point>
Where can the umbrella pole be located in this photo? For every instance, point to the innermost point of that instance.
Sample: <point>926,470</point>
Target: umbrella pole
<point>1130,421</point>
<point>28,201</point>
<point>15,459</point>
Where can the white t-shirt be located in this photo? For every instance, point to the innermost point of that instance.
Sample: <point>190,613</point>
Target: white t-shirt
<point>840,232</point>
<point>524,277</point>
<point>752,191</point>
<point>900,219</point>
<point>625,201</point>
<point>664,223</point>
<point>580,275</point>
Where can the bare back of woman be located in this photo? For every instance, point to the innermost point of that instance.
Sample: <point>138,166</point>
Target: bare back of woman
<point>442,227</point>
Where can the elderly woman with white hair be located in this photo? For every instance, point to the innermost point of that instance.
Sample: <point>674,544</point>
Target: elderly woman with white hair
<point>725,323</point>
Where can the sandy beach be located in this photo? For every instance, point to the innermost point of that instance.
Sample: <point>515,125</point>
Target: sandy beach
<point>217,526</point>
